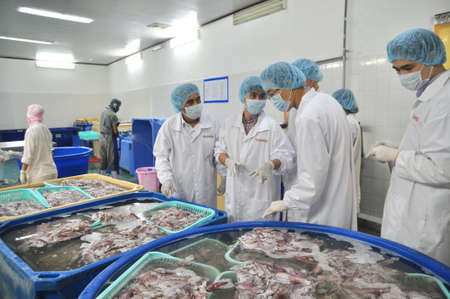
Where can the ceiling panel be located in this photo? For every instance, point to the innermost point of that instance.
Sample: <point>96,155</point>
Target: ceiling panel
<point>116,22</point>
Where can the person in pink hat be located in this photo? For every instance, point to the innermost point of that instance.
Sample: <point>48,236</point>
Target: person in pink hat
<point>37,160</point>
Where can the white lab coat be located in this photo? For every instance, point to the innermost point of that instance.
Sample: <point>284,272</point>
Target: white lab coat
<point>290,176</point>
<point>186,156</point>
<point>37,153</point>
<point>417,206</point>
<point>245,198</point>
<point>356,142</point>
<point>324,189</point>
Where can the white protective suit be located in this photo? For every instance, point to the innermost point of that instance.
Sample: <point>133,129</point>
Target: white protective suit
<point>37,153</point>
<point>245,198</point>
<point>324,189</point>
<point>186,156</point>
<point>356,142</point>
<point>417,207</point>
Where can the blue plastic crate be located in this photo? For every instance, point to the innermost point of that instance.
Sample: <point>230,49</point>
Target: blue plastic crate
<point>145,131</point>
<point>65,136</point>
<point>83,126</point>
<point>12,135</point>
<point>18,280</point>
<point>127,155</point>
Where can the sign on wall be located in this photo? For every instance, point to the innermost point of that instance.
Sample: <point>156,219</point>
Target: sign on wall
<point>215,90</point>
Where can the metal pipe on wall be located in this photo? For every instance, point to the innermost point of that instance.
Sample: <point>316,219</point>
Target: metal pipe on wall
<point>344,47</point>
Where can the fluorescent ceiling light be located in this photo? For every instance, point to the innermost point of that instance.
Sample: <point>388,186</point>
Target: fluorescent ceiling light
<point>55,64</point>
<point>25,40</point>
<point>59,57</point>
<point>258,10</point>
<point>53,14</point>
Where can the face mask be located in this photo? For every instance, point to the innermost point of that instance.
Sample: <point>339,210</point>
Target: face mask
<point>280,103</point>
<point>255,107</point>
<point>414,81</point>
<point>193,112</point>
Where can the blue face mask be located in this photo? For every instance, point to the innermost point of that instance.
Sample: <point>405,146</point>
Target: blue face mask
<point>193,112</point>
<point>255,107</point>
<point>280,103</point>
<point>414,81</point>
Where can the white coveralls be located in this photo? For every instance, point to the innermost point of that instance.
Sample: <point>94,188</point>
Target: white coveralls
<point>246,198</point>
<point>356,142</point>
<point>185,155</point>
<point>417,207</point>
<point>324,189</point>
<point>37,153</point>
<point>290,176</point>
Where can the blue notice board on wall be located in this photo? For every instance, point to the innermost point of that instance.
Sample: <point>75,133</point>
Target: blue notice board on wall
<point>215,90</point>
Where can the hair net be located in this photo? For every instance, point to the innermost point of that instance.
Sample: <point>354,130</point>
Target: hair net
<point>35,113</point>
<point>419,45</point>
<point>346,98</point>
<point>309,68</point>
<point>250,84</point>
<point>282,75</point>
<point>115,104</point>
<point>181,94</point>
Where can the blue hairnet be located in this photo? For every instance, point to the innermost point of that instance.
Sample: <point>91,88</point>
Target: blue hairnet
<point>180,95</point>
<point>419,45</point>
<point>346,98</point>
<point>282,75</point>
<point>309,68</point>
<point>250,84</point>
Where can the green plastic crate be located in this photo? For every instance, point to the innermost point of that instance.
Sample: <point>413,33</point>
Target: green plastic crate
<point>22,195</point>
<point>156,259</point>
<point>227,274</point>
<point>230,252</point>
<point>88,135</point>
<point>39,191</point>
<point>206,212</point>
<point>211,243</point>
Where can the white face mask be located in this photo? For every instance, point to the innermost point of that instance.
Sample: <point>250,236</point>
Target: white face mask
<point>414,81</point>
<point>193,112</point>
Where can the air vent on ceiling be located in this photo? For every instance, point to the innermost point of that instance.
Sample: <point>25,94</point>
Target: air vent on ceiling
<point>259,10</point>
<point>156,25</point>
<point>442,18</point>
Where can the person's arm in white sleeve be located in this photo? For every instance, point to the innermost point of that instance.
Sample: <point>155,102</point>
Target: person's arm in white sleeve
<point>162,151</point>
<point>282,150</point>
<point>313,162</point>
<point>431,166</point>
<point>218,149</point>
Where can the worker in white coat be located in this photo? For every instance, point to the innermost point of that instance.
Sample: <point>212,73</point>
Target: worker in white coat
<point>417,207</point>
<point>184,149</point>
<point>346,98</point>
<point>324,190</point>
<point>256,152</point>
<point>313,76</point>
<point>37,160</point>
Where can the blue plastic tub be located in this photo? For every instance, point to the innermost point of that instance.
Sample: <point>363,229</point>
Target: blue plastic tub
<point>126,160</point>
<point>71,161</point>
<point>415,260</point>
<point>18,280</point>
<point>145,131</point>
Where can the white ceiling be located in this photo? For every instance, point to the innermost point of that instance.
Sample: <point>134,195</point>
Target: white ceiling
<point>116,22</point>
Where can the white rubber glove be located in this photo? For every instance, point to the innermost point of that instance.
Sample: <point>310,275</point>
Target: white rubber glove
<point>232,166</point>
<point>23,177</point>
<point>221,188</point>
<point>276,207</point>
<point>168,188</point>
<point>264,172</point>
<point>383,153</point>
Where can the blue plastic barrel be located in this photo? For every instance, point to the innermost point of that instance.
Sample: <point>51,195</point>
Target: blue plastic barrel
<point>71,160</point>
<point>414,259</point>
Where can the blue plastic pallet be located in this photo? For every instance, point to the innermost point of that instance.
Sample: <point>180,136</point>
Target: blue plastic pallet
<point>18,280</point>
